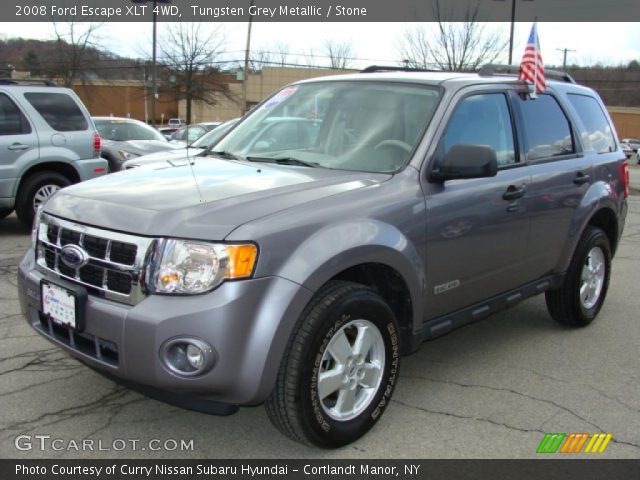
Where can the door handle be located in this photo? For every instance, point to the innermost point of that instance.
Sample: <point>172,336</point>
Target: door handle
<point>18,146</point>
<point>581,179</point>
<point>513,193</point>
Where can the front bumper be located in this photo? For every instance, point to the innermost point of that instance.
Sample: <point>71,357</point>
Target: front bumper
<point>247,323</point>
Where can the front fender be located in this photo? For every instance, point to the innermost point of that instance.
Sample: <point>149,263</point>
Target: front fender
<point>337,247</point>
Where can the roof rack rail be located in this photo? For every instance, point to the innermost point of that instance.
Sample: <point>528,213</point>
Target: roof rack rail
<point>27,81</point>
<point>490,70</point>
<point>383,68</point>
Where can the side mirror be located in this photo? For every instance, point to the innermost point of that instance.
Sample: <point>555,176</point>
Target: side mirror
<point>466,161</point>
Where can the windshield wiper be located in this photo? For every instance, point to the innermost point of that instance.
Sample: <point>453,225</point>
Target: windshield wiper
<point>224,154</point>
<point>284,161</point>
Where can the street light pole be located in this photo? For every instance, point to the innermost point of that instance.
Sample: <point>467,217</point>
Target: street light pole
<point>513,22</point>
<point>154,84</point>
<point>512,26</point>
<point>245,73</point>
<point>154,81</point>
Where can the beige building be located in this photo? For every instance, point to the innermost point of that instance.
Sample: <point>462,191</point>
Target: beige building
<point>259,86</point>
<point>626,120</point>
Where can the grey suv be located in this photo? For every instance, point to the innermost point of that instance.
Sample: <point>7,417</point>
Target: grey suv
<point>47,141</point>
<point>339,225</point>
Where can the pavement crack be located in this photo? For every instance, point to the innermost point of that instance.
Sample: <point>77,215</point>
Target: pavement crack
<point>63,414</point>
<point>469,417</point>
<point>510,390</point>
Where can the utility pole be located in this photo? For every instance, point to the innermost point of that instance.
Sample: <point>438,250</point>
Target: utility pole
<point>245,74</point>
<point>564,56</point>
<point>512,26</point>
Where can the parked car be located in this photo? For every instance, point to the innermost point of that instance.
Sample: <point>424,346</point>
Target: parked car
<point>47,140</point>
<point>297,273</point>
<point>175,123</point>
<point>633,143</point>
<point>126,138</point>
<point>167,131</point>
<point>190,133</point>
<point>182,155</point>
<point>626,149</point>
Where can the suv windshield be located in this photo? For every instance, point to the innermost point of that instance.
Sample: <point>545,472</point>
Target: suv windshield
<point>367,126</point>
<point>124,130</point>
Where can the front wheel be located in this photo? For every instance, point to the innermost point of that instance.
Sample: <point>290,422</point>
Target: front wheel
<point>35,191</point>
<point>340,368</point>
<point>582,295</point>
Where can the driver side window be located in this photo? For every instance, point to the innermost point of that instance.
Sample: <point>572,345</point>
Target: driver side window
<point>482,120</point>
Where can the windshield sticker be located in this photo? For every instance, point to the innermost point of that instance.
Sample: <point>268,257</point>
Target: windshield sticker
<point>280,96</point>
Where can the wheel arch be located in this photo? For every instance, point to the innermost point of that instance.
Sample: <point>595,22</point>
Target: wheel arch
<point>62,168</point>
<point>371,253</point>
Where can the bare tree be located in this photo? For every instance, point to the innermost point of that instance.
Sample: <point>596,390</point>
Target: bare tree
<point>340,54</point>
<point>260,58</point>
<point>76,47</point>
<point>459,46</point>
<point>281,53</point>
<point>310,58</point>
<point>190,55</point>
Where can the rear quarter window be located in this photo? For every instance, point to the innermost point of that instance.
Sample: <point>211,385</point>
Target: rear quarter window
<point>598,135</point>
<point>546,128</point>
<point>59,110</point>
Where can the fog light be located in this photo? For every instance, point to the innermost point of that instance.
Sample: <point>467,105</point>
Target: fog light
<point>195,356</point>
<point>187,356</point>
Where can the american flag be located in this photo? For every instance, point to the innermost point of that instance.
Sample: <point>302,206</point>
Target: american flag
<point>531,66</point>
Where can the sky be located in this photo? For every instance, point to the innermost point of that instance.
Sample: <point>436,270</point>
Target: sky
<point>373,43</point>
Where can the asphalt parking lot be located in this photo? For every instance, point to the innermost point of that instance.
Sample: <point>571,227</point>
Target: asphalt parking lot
<point>489,390</point>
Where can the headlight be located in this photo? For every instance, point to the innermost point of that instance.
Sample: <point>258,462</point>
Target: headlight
<point>124,155</point>
<point>36,226</point>
<point>189,267</point>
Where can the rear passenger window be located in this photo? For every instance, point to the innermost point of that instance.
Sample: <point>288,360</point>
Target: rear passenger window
<point>12,121</point>
<point>59,110</point>
<point>598,135</point>
<point>482,120</point>
<point>547,130</point>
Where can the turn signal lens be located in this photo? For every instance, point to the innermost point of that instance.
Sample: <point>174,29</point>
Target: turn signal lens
<point>242,259</point>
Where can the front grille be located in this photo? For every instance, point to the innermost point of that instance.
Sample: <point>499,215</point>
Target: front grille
<point>117,261</point>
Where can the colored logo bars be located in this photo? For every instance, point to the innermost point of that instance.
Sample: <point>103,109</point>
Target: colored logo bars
<point>574,443</point>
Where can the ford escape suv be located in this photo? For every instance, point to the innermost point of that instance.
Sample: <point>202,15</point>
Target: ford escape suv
<point>47,141</point>
<point>335,228</point>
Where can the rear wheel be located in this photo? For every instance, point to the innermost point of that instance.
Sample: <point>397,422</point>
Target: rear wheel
<point>35,191</point>
<point>582,295</point>
<point>340,368</point>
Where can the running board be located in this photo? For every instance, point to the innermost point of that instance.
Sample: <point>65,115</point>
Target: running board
<point>439,326</point>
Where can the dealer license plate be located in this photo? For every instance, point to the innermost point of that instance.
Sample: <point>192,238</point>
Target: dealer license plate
<point>59,304</point>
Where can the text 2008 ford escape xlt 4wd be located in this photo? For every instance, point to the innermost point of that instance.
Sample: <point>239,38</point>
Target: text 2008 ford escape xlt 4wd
<point>335,228</point>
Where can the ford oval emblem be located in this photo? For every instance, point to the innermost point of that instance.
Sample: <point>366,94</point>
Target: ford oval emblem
<point>73,256</point>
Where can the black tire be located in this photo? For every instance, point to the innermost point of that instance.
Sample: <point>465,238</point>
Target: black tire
<point>114,165</point>
<point>565,304</point>
<point>295,406</point>
<point>28,190</point>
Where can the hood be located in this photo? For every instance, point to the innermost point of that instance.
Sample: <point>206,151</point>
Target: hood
<point>139,147</point>
<point>173,157</point>
<point>167,201</point>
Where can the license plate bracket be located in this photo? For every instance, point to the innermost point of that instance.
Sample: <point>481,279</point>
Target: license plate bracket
<point>63,304</point>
